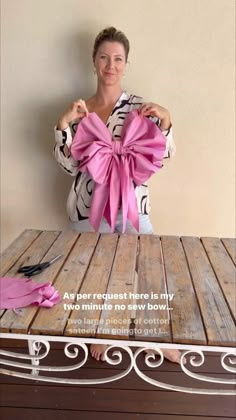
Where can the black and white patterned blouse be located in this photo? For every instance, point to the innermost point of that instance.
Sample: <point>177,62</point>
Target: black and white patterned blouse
<point>79,199</point>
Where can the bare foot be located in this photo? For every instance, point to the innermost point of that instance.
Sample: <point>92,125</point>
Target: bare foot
<point>97,351</point>
<point>172,355</point>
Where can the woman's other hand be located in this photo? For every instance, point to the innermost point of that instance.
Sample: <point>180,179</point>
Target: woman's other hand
<point>158,111</point>
<point>76,110</point>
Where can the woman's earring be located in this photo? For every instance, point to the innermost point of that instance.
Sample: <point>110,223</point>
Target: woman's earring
<point>94,71</point>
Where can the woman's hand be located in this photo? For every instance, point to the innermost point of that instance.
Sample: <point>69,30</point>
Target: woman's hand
<point>158,111</point>
<point>76,110</point>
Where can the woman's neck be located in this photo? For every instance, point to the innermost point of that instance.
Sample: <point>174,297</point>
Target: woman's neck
<point>107,95</point>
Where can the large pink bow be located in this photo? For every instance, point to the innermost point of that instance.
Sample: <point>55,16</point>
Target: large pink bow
<point>115,164</point>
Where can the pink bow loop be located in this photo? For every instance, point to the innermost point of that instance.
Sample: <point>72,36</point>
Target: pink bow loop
<point>115,165</point>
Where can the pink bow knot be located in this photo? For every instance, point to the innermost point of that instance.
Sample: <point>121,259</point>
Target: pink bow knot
<point>115,165</point>
<point>117,148</point>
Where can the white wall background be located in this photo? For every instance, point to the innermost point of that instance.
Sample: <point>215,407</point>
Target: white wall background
<point>182,57</point>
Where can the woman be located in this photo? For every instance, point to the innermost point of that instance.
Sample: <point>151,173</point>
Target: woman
<point>111,104</point>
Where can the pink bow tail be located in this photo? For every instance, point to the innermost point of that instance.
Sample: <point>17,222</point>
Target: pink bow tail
<point>99,202</point>
<point>129,203</point>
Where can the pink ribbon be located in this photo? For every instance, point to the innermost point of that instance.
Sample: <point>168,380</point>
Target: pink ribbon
<point>115,164</point>
<point>21,292</point>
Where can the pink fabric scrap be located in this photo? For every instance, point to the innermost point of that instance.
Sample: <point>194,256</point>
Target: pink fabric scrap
<point>21,292</point>
<point>115,164</point>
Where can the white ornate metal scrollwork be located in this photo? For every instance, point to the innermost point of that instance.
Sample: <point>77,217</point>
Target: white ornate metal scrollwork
<point>194,363</point>
<point>77,348</point>
<point>70,354</point>
<point>232,361</point>
<point>152,355</point>
<point>48,368</point>
<point>35,346</point>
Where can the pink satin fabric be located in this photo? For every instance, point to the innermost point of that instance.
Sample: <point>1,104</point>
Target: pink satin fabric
<point>115,164</point>
<point>21,292</point>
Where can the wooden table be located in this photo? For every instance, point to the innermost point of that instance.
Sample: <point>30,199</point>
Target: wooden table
<point>128,291</point>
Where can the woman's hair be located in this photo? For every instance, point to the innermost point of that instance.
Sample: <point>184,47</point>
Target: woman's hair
<point>111,34</point>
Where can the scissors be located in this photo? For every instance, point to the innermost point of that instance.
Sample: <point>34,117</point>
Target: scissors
<point>32,270</point>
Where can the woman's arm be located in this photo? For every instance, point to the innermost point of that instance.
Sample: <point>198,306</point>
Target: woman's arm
<point>63,136</point>
<point>170,144</point>
<point>161,117</point>
<point>63,139</point>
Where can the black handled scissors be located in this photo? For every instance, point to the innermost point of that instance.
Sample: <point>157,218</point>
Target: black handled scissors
<point>32,270</point>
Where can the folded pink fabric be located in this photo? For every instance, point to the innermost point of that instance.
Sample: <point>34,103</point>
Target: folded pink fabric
<point>21,292</point>
<point>115,164</point>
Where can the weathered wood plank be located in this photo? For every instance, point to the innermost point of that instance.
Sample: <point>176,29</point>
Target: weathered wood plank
<point>85,317</point>
<point>133,401</point>
<point>10,413</point>
<point>68,282</point>
<point>223,268</point>
<point>14,251</point>
<point>152,322</point>
<point>186,319</point>
<point>116,321</point>
<point>37,252</point>
<point>215,312</point>
<point>230,245</point>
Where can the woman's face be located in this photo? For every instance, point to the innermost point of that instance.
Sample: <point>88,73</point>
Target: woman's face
<point>110,62</point>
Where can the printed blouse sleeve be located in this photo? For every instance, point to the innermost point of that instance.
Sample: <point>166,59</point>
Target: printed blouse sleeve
<point>67,163</point>
<point>170,144</point>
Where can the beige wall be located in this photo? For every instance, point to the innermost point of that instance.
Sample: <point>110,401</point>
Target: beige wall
<point>182,57</point>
